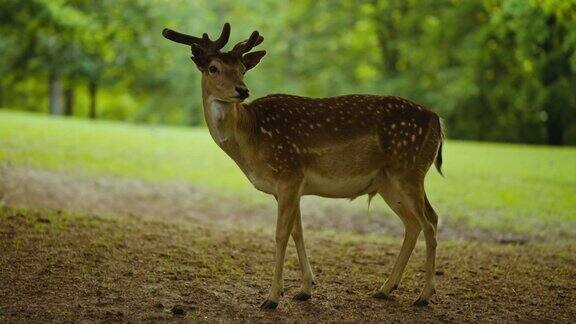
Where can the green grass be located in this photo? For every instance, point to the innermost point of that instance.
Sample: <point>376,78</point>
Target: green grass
<point>511,187</point>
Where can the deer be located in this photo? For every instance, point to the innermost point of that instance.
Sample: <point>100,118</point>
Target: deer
<point>346,146</point>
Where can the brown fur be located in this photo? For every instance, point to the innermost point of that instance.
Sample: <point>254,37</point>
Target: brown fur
<point>293,128</point>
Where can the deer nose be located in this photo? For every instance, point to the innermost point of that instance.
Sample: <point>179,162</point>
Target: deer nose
<point>243,92</point>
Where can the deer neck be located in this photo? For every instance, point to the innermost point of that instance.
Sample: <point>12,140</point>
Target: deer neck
<point>226,121</point>
<point>220,117</point>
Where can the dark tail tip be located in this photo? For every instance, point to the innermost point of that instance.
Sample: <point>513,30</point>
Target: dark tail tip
<point>438,161</point>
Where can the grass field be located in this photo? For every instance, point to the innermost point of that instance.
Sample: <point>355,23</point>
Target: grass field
<point>506,187</point>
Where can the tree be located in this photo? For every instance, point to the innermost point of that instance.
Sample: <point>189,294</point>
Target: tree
<point>526,69</point>
<point>43,30</point>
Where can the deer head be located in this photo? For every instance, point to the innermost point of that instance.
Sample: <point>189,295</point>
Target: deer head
<point>222,72</point>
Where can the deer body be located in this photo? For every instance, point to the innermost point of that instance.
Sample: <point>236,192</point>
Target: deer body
<point>339,147</point>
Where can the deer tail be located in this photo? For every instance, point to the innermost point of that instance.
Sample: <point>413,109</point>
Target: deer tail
<point>438,159</point>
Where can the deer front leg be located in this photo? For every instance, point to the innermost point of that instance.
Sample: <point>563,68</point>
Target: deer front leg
<point>288,203</point>
<point>307,276</point>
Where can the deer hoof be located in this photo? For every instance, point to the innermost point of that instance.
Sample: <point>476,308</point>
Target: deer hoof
<point>381,295</point>
<point>269,304</point>
<point>421,302</point>
<point>302,296</point>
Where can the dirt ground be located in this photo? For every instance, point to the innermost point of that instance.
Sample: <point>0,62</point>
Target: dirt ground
<point>66,267</point>
<point>125,260</point>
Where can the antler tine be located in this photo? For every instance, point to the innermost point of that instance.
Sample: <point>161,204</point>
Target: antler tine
<point>180,38</point>
<point>223,39</point>
<point>205,42</point>
<point>245,46</point>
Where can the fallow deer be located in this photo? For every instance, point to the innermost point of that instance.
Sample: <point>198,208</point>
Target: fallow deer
<point>339,147</point>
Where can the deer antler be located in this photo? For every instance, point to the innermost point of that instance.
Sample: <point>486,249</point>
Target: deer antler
<point>204,47</point>
<point>246,46</point>
<point>205,43</point>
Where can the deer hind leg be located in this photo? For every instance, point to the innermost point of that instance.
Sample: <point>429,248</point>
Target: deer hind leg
<point>430,213</point>
<point>307,275</point>
<point>288,204</point>
<point>394,198</point>
<point>417,203</point>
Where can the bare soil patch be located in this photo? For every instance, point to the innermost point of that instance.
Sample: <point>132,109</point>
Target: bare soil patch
<point>61,266</point>
<point>171,200</point>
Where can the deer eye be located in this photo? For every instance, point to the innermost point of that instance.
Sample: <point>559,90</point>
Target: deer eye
<point>212,69</point>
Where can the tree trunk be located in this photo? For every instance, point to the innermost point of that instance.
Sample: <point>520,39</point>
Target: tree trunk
<point>55,91</point>
<point>554,105</point>
<point>69,101</point>
<point>92,90</point>
<point>554,128</point>
<point>387,33</point>
<point>193,115</point>
<point>556,67</point>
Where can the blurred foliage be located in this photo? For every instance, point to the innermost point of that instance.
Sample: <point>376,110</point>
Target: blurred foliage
<point>494,69</point>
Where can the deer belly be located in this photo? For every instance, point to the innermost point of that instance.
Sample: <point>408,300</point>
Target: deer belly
<point>339,187</point>
<point>261,183</point>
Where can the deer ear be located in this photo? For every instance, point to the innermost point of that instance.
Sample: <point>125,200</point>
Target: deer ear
<point>199,57</point>
<point>250,60</point>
